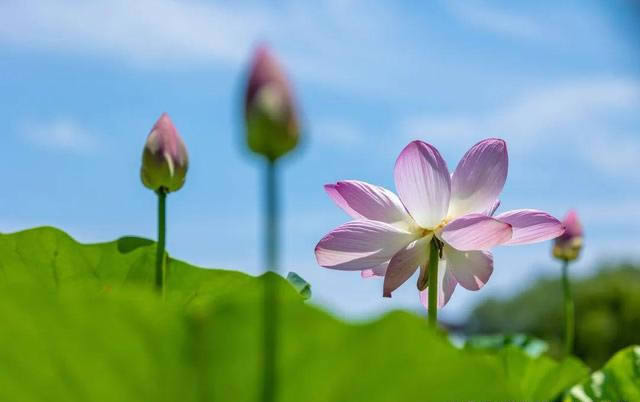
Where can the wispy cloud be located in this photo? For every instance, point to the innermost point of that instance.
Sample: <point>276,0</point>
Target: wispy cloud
<point>495,20</point>
<point>577,114</point>
<point>143,31</point>
<point>327,42</point>
<point>161,33</point>
<point>617,213</point>
<point>344,45</point>
<point>62,134</point>
<point>615,155</point>
<point>357,46</point>
<point>338,132</point>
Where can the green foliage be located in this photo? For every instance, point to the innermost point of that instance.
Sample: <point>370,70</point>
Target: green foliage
<point>619,380</point>
<point>534,347</point>
<point>50,259</point>
<point>607,313</point>
<point>83,323</point>
<point>303,287</point>
<point>539,379</point>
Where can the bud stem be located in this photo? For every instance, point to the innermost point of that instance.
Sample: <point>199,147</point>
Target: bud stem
<point>160,247</point>
<point>270,319</point>
<point>432,272</point>
<point>569,313</point>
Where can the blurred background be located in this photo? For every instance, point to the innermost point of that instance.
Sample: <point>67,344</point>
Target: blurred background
<point>81,84</point>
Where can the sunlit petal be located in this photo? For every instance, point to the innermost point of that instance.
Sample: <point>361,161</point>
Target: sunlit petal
<point>472,269</point>
<point>476,232</point>
<point>365,201</point>
<point>405,263</point>
<point>423,183</point>
<point>479,178</point>
<point>531,226</point>
<point>359,245</point>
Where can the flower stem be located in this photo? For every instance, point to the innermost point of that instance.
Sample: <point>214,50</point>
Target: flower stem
<point>270,304</point>
<point>432,273</point>
<point>160,247</point>
<point>569,313</point>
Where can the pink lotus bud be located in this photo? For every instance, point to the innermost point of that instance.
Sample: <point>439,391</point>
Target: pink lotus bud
<point>164,160</point>
<point>270,113</point>
<point>567,247</point>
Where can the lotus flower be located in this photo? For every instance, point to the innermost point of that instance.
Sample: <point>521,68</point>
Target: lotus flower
<point>270,113</point>
<point>164,161</point>
<point>390,235</point>
<point>567,247</point>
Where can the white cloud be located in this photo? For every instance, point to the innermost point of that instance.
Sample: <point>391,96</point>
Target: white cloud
<point>338,132</point>
<point>143,31</point>
<point>495,20</point>
<point>350,45</point>
<point>161,33</point>
<point>62,134</point>
<point>616,213</point>
<point>580,114</point>
<point>568,103</point>
<point>617,155</point>
<point>373,49</point>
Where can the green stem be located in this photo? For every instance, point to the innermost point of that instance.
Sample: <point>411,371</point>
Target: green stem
<point>272,218</point>
<point>270,297</point>
<point>432,273</point>
<point>569,310</point>
<point>160,248</point>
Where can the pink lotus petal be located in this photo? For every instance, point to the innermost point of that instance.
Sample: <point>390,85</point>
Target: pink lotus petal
<point>359,245</point>
<point>479,178</point>
<point>365,201</point>
<point>573,228</point>
<point>333,193</point>
<point>378,270</point>
<point>531,226</point>
<point>367,273</point>
<point>476,232</point>
<point>405,263</point>
<point>492,210</point>
<point>423,183</point>
<point>446,285</point>
<point>568,246</point>
<point>266,71</point>
<point>472,269</point>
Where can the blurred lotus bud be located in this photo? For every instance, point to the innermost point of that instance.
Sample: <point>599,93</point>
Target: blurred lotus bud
<point>270,113</point>
<point>567,247</point>
<point>164,160</point>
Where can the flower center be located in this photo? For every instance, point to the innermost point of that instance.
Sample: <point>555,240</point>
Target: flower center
<point>423,232</point>
<point>441,225</point>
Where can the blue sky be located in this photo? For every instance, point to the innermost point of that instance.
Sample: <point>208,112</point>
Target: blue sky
<point>81,84</point>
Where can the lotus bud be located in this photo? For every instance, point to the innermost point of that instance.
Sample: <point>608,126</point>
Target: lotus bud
<point>164,160</point>
<point>270,113</point>
<point>567,247</point>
